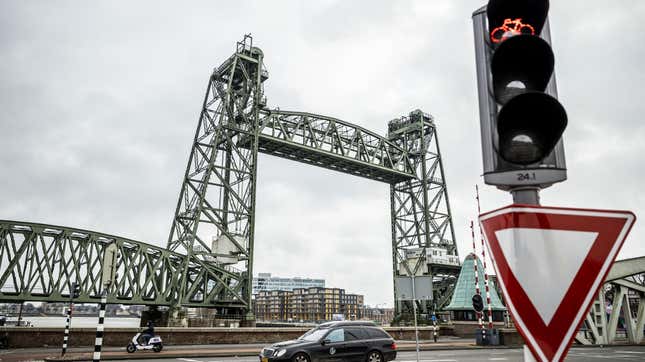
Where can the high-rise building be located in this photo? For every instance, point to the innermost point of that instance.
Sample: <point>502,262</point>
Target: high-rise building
<point>266,282</point>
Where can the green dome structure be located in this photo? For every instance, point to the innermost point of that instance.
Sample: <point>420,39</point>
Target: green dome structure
<point>461,304</point>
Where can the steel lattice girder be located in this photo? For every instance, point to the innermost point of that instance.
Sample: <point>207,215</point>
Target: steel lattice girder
<point>334,144</point>
<point>40,262</point>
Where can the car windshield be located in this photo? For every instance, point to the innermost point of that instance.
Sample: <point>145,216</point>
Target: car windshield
<point>313,335</point>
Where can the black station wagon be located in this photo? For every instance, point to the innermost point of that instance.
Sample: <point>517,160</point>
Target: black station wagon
<point>335,341</point>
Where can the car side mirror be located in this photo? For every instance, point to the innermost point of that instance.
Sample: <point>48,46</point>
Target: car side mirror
<point>325,341</point>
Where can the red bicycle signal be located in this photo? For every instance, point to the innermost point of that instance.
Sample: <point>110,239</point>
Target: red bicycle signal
<point>510,28</point>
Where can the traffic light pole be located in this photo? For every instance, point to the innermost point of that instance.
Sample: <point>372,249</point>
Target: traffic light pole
<point>526,195</point>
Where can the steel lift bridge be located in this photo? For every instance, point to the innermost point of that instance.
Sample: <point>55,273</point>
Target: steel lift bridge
<point>208,261</point>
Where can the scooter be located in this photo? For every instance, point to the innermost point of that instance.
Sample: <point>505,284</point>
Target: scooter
<point>154,344</point>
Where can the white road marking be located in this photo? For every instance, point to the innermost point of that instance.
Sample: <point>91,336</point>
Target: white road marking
<point>189,360</point>
<point>605,357</point>
<point>498,359</point>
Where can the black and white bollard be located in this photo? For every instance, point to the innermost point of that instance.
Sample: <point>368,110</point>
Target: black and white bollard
<point>98,342</point>
<point>67,323</point>
<point>434,327</point>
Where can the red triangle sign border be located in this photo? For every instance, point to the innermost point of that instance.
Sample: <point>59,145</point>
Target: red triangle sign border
<point>551,342</point>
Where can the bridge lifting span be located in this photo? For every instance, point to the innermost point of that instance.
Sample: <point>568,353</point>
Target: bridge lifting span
<point>208,261</point>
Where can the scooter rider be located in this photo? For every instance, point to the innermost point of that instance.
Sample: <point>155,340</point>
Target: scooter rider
<point>148,333</point>
<point>145,340</point>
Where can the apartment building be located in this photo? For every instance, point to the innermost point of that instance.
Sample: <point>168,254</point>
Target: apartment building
<point>308,304</point>
<point>267,282</point>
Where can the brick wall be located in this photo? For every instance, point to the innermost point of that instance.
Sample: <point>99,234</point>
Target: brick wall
<point>48,337</point>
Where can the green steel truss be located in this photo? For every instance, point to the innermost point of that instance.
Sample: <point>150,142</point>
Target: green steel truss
<point>217,197</point>
<point>334,144</point>
<point>209,256</point>
<point>40,262</point>
<point>420,212</point>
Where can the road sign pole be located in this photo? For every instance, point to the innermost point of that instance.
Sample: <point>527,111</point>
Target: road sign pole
<point>414,311</point>
<point>526,196</point>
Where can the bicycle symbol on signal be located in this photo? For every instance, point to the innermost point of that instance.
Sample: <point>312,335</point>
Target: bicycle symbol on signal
<point>510,28</point>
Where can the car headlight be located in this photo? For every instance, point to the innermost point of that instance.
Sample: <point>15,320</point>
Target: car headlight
<point>281,352</point>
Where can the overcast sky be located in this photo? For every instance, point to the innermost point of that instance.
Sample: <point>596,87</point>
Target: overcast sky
<point>99,102</point>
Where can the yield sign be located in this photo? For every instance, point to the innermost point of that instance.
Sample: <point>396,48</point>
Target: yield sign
<point>550,263</point>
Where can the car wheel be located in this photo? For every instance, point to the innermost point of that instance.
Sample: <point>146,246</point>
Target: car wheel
<point>374,356</point>
<point>301,357</point>
<point>131,348</point>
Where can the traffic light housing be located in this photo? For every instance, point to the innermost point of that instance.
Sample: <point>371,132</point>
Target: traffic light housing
<point>521,119</point>
<point>76,290</point>
<point>478,303</point>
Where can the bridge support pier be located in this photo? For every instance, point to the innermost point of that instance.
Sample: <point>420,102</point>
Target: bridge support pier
<point>173,317</point>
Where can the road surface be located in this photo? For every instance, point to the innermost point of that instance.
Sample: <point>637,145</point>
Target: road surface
<point>627,353</point>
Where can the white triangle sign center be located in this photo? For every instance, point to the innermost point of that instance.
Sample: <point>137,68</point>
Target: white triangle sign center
<point>560,252</point>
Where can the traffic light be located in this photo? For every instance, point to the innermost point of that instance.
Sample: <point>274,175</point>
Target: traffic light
<point>478,303</point>
<point>76,290</point>
<point>521,119</point>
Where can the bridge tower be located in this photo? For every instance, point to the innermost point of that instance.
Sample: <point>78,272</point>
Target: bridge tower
<point>423,236</point>
<point>214,220</point>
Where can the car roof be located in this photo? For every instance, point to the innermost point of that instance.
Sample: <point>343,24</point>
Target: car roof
<point>348,324</point>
